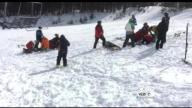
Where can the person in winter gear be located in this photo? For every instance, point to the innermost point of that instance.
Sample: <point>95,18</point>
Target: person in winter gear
<point>130,26</point>
<point>29,47</point>
<point>63,49</point>
<point>166,18</point>
<point>147,38</point>
<point>54,43</point>
<point>39,35</point>
<point>139,35</point>
<point>161,31</point>
<point>44,43</point>
<point>99,34</point>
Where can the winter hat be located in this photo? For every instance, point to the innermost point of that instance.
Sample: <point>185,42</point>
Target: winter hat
<point>166,14</point>
<point>40,27</point>
<point>145,23</point>
<point>56,35</point>
<point>99,22</point>
<point>62,36</point>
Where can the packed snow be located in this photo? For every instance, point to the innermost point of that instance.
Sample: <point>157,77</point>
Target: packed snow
<point>139,76</point>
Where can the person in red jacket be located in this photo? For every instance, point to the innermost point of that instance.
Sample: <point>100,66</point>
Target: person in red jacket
<point>139,35</point>
<point>99,34</point>
<point>29,47</point>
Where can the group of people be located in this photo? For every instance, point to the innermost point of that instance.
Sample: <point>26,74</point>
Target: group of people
<point>45,43</point>
<point>60,43</point>
<point>145,35</point>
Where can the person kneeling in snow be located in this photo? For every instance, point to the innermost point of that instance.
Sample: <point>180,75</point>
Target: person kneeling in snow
<point>29,47</point>
<point>99,34</point>
<point>147,38</point>
<point>54,43</point>
<point>63,49</point>
<point>139,35</point>
<point>44,43</point>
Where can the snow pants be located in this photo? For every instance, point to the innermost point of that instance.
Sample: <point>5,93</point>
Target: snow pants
<point>62,54</point>
<point>129,36</point>
<point>96,41</point>
<point>160,40</point>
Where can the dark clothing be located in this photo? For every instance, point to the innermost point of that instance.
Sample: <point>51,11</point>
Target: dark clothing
<point>27,50</point>
<point>62,54</point>
<point>39,35</point>
<point>160,41</point>
<point>129,36</point>
<point>63,44</point>
<point>96,41</point>
<point>161,31</point>
<point>54,43</point>
<point>134,21</point>
<point>37,44</point>
<point>63,49</point>
<point>145,30</point>
<point>166,18</point>
<point>167,22</point>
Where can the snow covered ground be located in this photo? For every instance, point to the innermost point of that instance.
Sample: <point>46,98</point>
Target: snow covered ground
<point>99,77</point>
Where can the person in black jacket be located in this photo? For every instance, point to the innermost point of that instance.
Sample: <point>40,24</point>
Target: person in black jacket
<point>161,31</point>
<point>63,49</point>
<point>39,36</point>
<point>166,18</point>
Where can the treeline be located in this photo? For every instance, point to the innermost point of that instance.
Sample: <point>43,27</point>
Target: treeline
<point>58,8</point>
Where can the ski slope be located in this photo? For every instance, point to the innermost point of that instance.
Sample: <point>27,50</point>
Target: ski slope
<point>98,77</point>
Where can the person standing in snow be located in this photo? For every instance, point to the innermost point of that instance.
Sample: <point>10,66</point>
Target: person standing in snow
<point>63,49</point>
<point>161,33</point>
<point>99,34</point>
<point>166,18</point>
<point>39,36</point>
<point>130,26</point>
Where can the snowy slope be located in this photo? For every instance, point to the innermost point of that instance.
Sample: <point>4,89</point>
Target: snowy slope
<point>100,77</point>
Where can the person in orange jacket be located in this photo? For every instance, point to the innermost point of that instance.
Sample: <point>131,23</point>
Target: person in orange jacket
<point>44,43</point>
